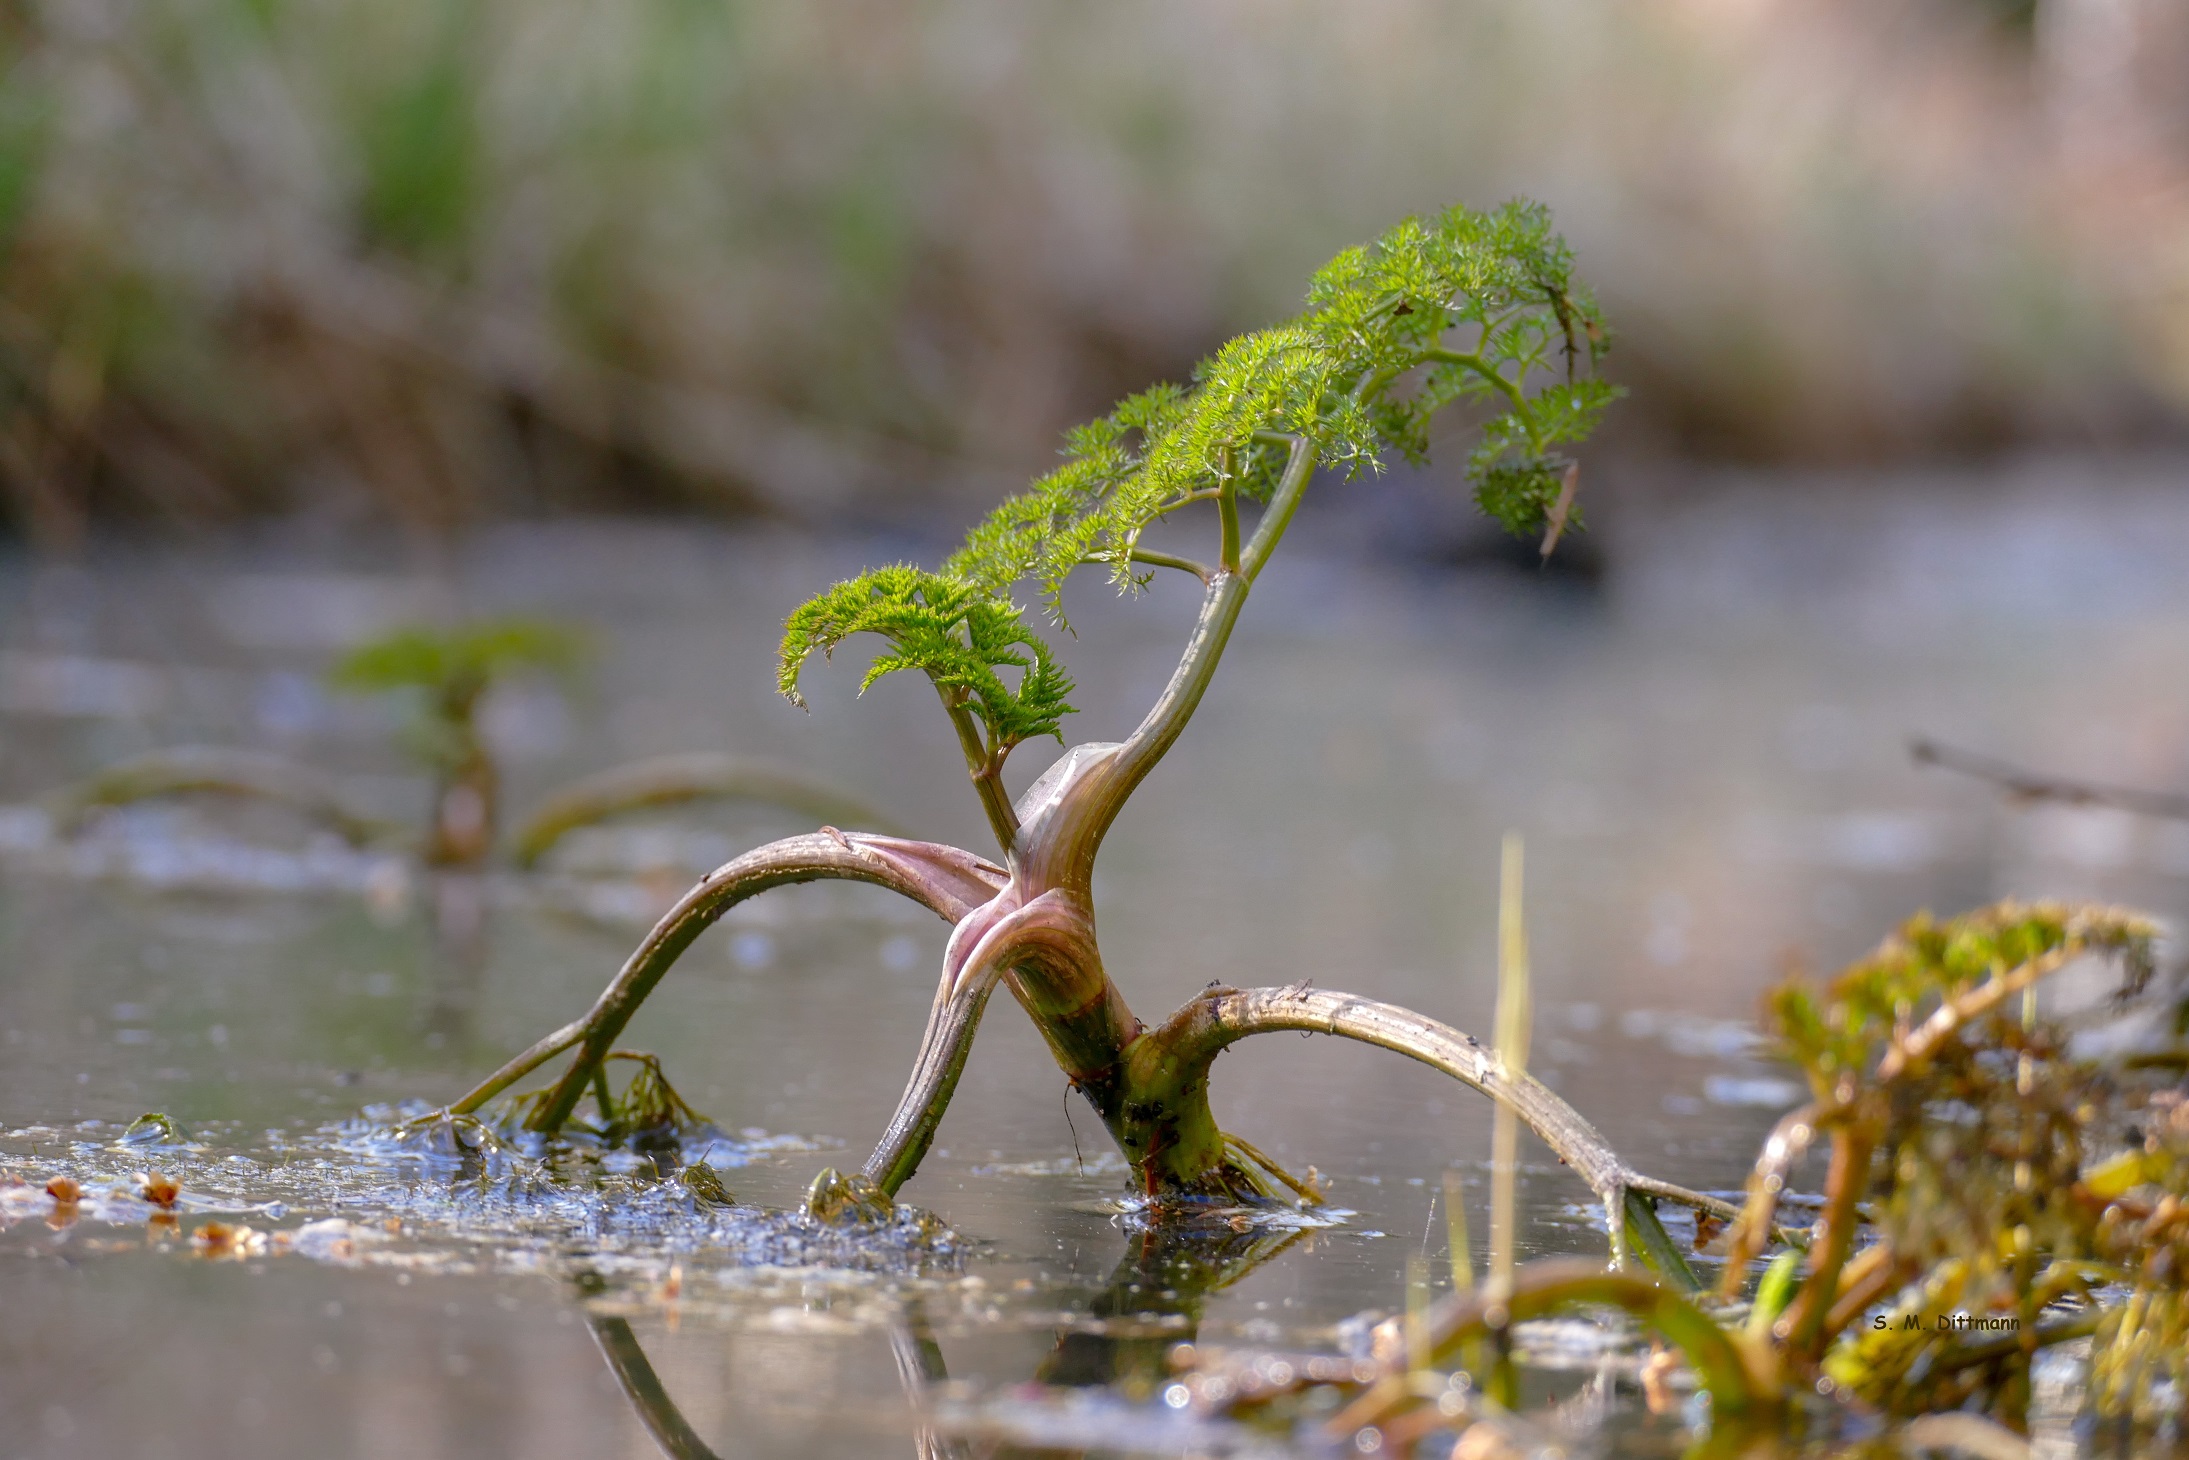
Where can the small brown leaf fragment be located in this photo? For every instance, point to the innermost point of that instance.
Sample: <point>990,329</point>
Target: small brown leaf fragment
<point>161,1191</point>
<point>1707,1227</point>
<point>64,1190</point>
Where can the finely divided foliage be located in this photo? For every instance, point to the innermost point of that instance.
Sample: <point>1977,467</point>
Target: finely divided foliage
<point>948,627</point>
<point>1468,307</point>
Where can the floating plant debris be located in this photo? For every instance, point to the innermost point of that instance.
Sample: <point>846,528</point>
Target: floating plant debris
<point>408,1186</point>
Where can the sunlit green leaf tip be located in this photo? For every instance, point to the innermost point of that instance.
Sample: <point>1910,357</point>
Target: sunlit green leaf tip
<point>1470,309</point>
<point>952,630</point>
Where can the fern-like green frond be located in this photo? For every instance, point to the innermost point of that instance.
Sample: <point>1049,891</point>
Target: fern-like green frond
<point>444,672</point>
<point>1466,308</point>
<point>1470,309</point>
<point>431,659</point>
<point>952,630</point>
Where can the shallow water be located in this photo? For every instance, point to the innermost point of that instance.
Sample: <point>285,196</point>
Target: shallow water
<point>1704,751</point>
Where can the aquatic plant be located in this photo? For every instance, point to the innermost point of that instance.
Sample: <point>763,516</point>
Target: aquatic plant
<point>1994,1188</point>
<point>1476,309</point>
<point>445,673</point>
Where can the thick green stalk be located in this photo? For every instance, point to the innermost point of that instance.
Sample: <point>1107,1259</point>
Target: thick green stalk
<point>1181,1050</point>
<point>1062,853</point>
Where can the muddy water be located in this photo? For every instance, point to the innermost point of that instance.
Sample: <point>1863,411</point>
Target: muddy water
<point>1704,751</point>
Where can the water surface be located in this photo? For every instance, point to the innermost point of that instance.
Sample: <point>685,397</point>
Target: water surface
<point>1704,751</point>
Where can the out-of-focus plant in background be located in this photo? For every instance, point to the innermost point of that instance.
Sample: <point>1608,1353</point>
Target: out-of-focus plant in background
<point>442,259</point>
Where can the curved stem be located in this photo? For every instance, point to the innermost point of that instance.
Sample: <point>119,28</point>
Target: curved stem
<point>524,1064</point>
<point>670,780</point>
<point>1069,838</point>
<point>1483,368</point>
<point>1782,1151</point>
<point>945,880</point>
<point>1544,1287</point>
<point>221,770</point>
<point>1198,1032</point>
<point>648,1395</point>
<point>1283,502</point>
<point>1047,932</point>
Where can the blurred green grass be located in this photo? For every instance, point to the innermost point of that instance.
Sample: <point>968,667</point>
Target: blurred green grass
<point>446,259</point>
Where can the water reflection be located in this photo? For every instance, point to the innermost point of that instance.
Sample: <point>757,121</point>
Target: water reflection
<point>1119,1341</point>
<point>458,906</point>
<point>1154,1301</point>
<point>648,1395</point>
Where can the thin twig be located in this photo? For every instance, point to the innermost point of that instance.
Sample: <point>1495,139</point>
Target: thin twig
<point>2026,785</point>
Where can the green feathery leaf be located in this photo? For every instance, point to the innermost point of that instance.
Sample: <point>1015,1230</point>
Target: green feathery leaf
<point>949,628</point>
<point>1466,308</point>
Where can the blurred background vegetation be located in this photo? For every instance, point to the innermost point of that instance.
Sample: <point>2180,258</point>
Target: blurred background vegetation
<point>441,260</point>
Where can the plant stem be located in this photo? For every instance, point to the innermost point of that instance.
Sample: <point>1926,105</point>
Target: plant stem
<point>1283,502</point>
<point>1512,1058</point>
<point>670,780</point>
<point>1049,934</point>
<point>1193,1037</point>
<point>1510,390</point>
<point>1807,1333</point>
<point>1156,559</point>
<point>1545,1287</point>
<point>949,882</point>
<point>985,766</point>
<point>516,1069</point>
<point>1227,511</point>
